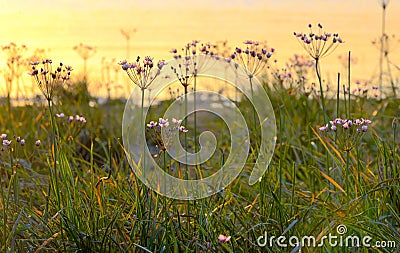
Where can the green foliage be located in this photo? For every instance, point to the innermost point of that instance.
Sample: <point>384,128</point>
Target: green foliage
<point>98,205</point>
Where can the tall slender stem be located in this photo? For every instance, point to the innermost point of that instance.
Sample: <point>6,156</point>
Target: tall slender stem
<point>382,49</point>
<point>147,193</point>
<point>358,172</point>
<point>142,123</point>
<point>165,186</point>
<point>252,97</point>
<point>186,157</point>
<point>390,75</point>
<point>195,116</point>
<point>344,98</point>
<point>338,97</point>
<point>394,126</point>
<point>348,80</point>
<point>55,151</point>
<point>320,87</point>
<point>14,173</point>
<point>55,172</point>
<point>186,146</point>
<point>346,173</point>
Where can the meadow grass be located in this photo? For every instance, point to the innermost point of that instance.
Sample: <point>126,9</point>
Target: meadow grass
<point>74,190</point>
<point>98,205</point>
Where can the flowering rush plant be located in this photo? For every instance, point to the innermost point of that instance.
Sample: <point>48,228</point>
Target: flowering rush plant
<point>6,142</point>
<point>154,130</point>
<point>141,73</point>
<point>346,133</point>
<point>252,57</point>
<point>49,77</point>
<point>188,61</point>
<point>318,43</point>
<point>70,126</point>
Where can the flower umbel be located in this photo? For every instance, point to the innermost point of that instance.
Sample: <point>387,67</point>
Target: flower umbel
<point>154,130</point>
<point>142,73</point>
<point>253,58</point>
<point>345,132</point>
<point>49,78</point>
<point>188,61</point>
<point>318,44</point>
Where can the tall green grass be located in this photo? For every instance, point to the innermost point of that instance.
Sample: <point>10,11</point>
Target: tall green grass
<point>98,205</point>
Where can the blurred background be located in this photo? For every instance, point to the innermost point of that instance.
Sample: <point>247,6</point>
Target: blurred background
<point>100,33</point>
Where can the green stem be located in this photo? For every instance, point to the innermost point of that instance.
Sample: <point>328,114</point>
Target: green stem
<point>321,89</point>
<point>293,187</point>
<point>186,146</point>
<point>51,174</point>
<point>337,100</point>
<point>346,173</point>
<point>394,126</point>
<point>344,97</point>
<point>147,193</point>
<point>54,153</point>
<point>186,158</point>
<point>252,98</point>
<point>196,148</point>
<point>281,152</point>
<point>14,173</point>
<point>348,80</point>
<point>382,51</point>
<point>358,185</point>
<point>10,117</point>
<point>142,124</point>
<point>165,189</point>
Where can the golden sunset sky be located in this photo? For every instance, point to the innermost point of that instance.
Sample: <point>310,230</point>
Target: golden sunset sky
<point>57,26</point>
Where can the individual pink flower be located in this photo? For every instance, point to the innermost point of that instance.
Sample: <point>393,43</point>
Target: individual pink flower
<point>6,143</point>
<point>163,122</point>
<point>152,124</point>
<point>223,238</point>
<point>323,128</point>
<point>182,129</point>
<point>357,122</point>
<point>366,121</point>
<point>339,121</point>
<point>176,121</point>
<point>364,128</point>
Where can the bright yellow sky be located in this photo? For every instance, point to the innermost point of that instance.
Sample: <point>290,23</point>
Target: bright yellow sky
<point>162,25</point>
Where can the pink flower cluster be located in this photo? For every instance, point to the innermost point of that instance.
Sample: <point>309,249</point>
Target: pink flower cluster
<point>6,142</point>
<point>360,124</point>
<point>162,123</point>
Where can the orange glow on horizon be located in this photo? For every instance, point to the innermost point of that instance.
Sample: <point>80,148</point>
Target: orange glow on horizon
<point>162,25</point>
